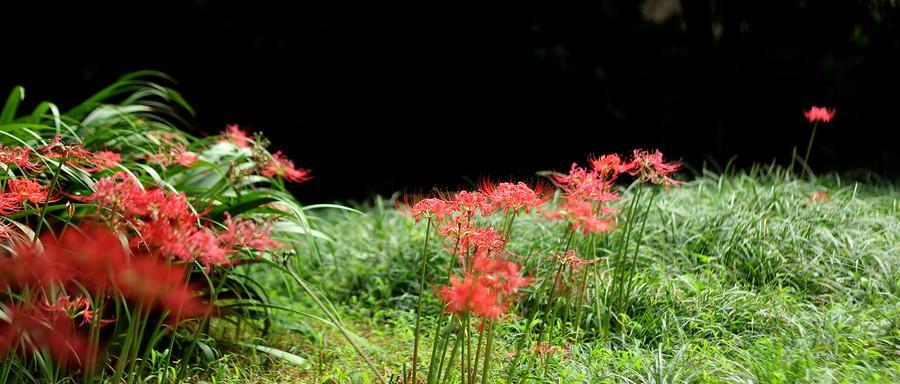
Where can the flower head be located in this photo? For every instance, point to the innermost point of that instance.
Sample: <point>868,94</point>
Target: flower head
<point>815,114</point>
<point>174,154</point>
<point>514,196</point>
<point>430,208</point>
<point>235,135</point>
<point>20,157</point>
<point>27,190</point>
<point>586,184</point>
<point>651,167</point>
<point>610,166</point>
<point>469,202</point>
<point>468,294</point>
<point>29,327</point>
<point>242,233</point>
<point>104,160</point>
<point>284,168</point>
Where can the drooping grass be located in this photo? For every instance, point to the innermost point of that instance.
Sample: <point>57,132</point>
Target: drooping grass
<point>742,278</point>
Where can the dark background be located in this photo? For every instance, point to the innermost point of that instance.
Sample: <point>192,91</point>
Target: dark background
<point>403,96</point>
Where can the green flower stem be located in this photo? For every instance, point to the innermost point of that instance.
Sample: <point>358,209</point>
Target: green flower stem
<point>418,331</point>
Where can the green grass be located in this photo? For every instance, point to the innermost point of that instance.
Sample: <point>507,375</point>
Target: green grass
<point>741,279</point>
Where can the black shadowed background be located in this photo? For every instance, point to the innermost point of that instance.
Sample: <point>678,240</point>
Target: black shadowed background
<point>387,96</point>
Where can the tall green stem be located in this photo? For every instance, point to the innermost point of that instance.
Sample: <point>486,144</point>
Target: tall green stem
<point>637,248</point>
<point>809,149</point>
<point>487,354</point>
<point>40,223</point>
<point>415,359</point>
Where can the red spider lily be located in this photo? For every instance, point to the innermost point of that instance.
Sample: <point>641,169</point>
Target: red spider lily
<point>73,308</point>
<point>96,259</point>
<point>470,295</point>
<point>457,228</point>
<point>9,204</point>
<point>27,190</point>
<point>651,167</point>
<point>166,222</point>
<point>500,274</point>
<point>485,290</point>
<point>56,149</point>
<point>430,208</point>
<point>28,268</point>
<point>184,242</point>
<point>514,196</point>
<point>247,234</point>
<point>6,230</point>
<point>819,196</point>
<point>30,328</point>
<point>610,166</point>
<point>102,161</point>
<point>469,202</point>
<point>151,281</point>
<point>544,350</point>
<point>586,184</point>
<point>20,157</point>
<point>485,238</point>
<point>815,114</point>
<point>175,154</point>
<point>235,135</point>
<point>572,260</point>
<point>583,215</point>
<point>284,168</point>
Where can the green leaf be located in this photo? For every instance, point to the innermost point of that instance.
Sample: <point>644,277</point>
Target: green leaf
<point>12,104</point>
<point>278,353</point>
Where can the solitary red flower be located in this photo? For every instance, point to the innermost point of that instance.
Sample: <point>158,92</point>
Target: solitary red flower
<point>815,114</point>
<point>9,204</point>
<point>175,154</point>
<point>430,208</point>
<point>586,184</point>
<point>27,190</point>
<point>235,135</point>
<point>470,295</point>
<point>610,166</point>
<point>284,168</point>
<point>819,196</point>
<point>247,234</point>
<point>651,167</point>
<point>73,153</point>
<point>104,160</point>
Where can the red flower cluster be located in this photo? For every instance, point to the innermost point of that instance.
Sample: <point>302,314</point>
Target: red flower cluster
<point>74,154</point>
<point>651,167</point>
<point>484,291</point>
<point>241,233</point>
<point>815,114</point>
<point>235,135</point>
<point>22,191</point>
<point>29,328</point>
<point>20,157</point>
<point>171,155</point>
<point>586,192</point>
<point>96,260</point>
<point>514,196</point>
<point>101,161</point>
<point>282,167</point>
<point>167,224</point>
<point>508,197</point>
<point>429,208</point>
